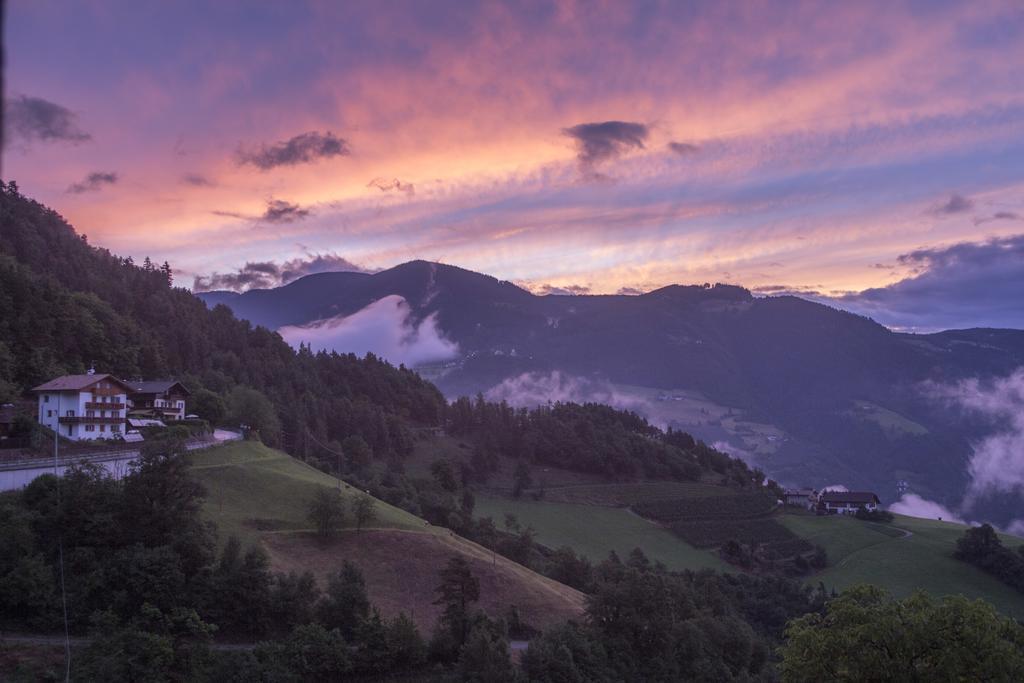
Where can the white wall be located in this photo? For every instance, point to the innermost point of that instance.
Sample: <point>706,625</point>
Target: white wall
<point>59,403</point>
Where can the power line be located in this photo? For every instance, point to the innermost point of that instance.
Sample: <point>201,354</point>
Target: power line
<point>309,435</point>
<point>60,557</point>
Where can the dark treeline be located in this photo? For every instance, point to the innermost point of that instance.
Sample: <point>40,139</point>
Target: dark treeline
<point>592,438</point>
<point>982,547</point>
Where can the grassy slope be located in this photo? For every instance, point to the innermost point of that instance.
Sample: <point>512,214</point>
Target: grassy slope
<point>594,531</point>
<point>261,495</point>
<point>251,487</point>
<point>863,553</point>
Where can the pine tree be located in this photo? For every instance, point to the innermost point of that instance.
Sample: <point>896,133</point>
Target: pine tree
<point>458,589</point>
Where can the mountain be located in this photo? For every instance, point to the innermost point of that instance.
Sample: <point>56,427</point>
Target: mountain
<point>812,394</point>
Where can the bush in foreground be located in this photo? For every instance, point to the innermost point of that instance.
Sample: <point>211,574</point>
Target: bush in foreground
<point>865,635</point>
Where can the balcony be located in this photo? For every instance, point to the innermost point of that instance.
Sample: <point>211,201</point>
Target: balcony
<point>107,392</point>
<point>96,405</point>
<point>78,419</point>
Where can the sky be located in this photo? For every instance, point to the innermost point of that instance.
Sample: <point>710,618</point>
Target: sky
<point>869,155</point>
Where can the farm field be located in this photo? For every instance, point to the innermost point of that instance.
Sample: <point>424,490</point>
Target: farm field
<point>622,495</point>
<point>594,531</point>
<point>863,553</point>
<point>886,419</point>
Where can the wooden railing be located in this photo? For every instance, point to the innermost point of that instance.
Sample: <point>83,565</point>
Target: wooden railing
<point>96,405</point>
<point>76,419</point>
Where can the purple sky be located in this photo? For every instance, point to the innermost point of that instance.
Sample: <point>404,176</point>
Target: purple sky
<point>871,153</point>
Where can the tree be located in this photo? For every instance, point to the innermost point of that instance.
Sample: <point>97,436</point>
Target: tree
<point>209,406</point>
<point>567,654</point>
<point>565,566</point>
<point>405,643</point>
<point>357,452</point>
<point>345,604</point>
<point>457,590</point>
<point>444,475</point>
<point>522,480</point>
<point>982,547</point>
<point>310,653</point>
<point>247,406</point>
<point>485,657</point>
<point>125,653</point>
<point>865,635</point>
<point>240,599</point>
<point>364,509</point>
<point>326,512</point>
<point>293,599</point>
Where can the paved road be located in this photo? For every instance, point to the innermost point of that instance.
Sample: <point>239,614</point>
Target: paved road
<point>17,475</point>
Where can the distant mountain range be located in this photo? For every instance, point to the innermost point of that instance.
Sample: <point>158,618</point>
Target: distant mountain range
<point>851,400</point>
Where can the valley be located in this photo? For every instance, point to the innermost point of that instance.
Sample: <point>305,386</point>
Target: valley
<point>811,394</point>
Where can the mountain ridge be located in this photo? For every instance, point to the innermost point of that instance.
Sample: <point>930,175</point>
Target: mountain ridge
<point>837,384</point>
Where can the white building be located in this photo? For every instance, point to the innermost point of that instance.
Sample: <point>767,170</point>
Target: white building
<point>805,498</point>
<point>84,406</point>
<point>847,502</point>
<point>164,399</point>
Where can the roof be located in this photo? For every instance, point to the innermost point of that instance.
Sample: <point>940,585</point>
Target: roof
<point>799,492</point>
<point>76,382</point>
<point>857,497</point>
<point>159,386</point>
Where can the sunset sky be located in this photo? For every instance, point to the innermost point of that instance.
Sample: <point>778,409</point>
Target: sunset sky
<point>785,146</point>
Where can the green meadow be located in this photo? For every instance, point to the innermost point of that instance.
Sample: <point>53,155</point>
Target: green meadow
<point>908,555</point>
<point>594,531</point>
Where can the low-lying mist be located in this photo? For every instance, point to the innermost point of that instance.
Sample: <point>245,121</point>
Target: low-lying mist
<point>532,389</point>
<point>385,328</point>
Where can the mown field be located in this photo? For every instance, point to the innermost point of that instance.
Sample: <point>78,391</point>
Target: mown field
<point>885,556</point>
<point>594,531</point>
<point>251,488</point>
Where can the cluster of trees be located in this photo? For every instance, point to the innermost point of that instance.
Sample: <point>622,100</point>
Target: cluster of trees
<point>865,635</point>
<point>140,572</point>
<point>591,438</point>
<point>328,511</point>
<point>982,547</point>
<point>68,305</point>
<point>644,623</point>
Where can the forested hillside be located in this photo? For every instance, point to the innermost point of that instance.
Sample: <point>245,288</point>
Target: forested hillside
<point>68,305</point>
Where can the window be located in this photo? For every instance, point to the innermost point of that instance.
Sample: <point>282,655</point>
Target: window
<point>90,413</point>
<point>70,413</point>
<point>46,398</point>
<point>49,413</point>
<point>90,428</point>
<point>115,428</point>
<point>103,428</point>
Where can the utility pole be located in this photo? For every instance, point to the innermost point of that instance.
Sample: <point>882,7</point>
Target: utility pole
<point>60,548</point>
